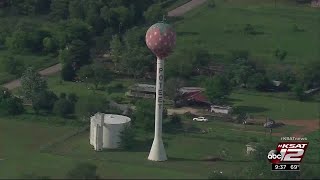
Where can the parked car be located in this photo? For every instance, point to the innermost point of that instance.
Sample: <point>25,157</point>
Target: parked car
<point>200,119</point>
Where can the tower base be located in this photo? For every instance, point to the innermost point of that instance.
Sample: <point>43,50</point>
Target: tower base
<point>157,152</point>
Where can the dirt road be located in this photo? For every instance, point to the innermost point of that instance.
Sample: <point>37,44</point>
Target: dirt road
<point>45,72</point>
<point>180,11</point>
<point>307,126</point>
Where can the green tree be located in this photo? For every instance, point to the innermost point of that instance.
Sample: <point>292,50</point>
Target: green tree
<point>10,105</point>
<point>13,66</point>
<point>83,171</point>
<point>59,9</point>
<point>310,74</point>
<point>136,61</point>
<point>96,74</point>
<point>217,89</point>
<point>32,83</point>
<point>178,65</point>
<point>175,120</point>
<point>77,52</point>
<point>258,81</point>
<point>127,138</point>
<point>49,44</point>
<point>116,17</point>
<point>92,16</point>
<point>240,72</point>
<point>72,97</point>
<point>63,107</point>
<point>30,7</point>
<point>116,50</point>
<point>212,3</point>
<point>172,85</point>
<point>154,13</point>
<point>91,104</point>
<point>67,72</point>
<point>144,115</point>
<point>298,90</point>
<point>70,30</point>
<point>76,9</point>
<point>26,38</point>
<point>44,100</point>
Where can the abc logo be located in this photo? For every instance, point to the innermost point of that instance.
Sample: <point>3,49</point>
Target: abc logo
<point>273,154</point>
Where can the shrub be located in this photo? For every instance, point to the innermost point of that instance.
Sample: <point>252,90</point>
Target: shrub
<point>67,72</point>
<point>90,105</point>
<point>43,100</point>
<point>13,66</point>
<point>63,107</point>
<point>127,138</point>
<point>239,54</point>
<point>62,95</point>
<point>116,97</point>
<point>83,171</point>
<point>176,120</point>
<point>11,106</point>
<point>72,97</point>
<point>211,3</point>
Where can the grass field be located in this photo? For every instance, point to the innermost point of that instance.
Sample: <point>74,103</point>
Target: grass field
<point>21,140</point>
<point>277,108</point>
<point>220,29</point>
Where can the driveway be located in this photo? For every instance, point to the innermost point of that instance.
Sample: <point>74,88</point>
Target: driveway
<point>45,72</point>
<point>181,10</point>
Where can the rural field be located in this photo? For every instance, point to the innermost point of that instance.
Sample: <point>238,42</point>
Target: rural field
<point>31,143</point>
<point>21,153</point>
<point>221,30</point>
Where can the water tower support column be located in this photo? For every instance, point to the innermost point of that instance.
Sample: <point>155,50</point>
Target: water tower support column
<point>157,152</point>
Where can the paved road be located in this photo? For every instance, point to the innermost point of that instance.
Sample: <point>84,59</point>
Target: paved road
<point>45,72</point>
<point>180,11</point>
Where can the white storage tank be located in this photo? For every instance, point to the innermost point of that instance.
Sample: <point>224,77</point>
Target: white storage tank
<point>105,130</point>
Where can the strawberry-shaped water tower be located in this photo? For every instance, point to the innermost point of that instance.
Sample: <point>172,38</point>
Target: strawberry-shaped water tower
<point>160,39</point>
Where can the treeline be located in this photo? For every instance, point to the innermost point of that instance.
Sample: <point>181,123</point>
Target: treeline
<point>74,29</point>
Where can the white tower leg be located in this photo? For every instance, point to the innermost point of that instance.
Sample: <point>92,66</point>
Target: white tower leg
<point>157,152</point>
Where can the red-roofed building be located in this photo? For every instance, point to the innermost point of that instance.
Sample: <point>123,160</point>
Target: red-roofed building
<point>192,97</point>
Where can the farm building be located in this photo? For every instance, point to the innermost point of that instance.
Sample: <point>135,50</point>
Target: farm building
<point>184,90</point>
<point>142,91</point>
<point>192,96</point>
<point>221,109</point>
<point>105,130</point>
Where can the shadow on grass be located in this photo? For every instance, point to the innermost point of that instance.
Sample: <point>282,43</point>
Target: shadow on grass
<point>186,33</point>
<point>251,109</point>
<point>220,138</point>
<point>232,100</point>
<point>180,159</point>
<point>172,20</point>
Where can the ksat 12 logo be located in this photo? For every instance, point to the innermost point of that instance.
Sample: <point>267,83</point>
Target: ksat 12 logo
<point>288,152</point>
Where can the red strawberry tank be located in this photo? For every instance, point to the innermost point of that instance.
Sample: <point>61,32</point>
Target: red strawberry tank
<point>161,39</point>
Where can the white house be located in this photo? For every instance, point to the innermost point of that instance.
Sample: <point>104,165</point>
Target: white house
<point>221,109</point>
